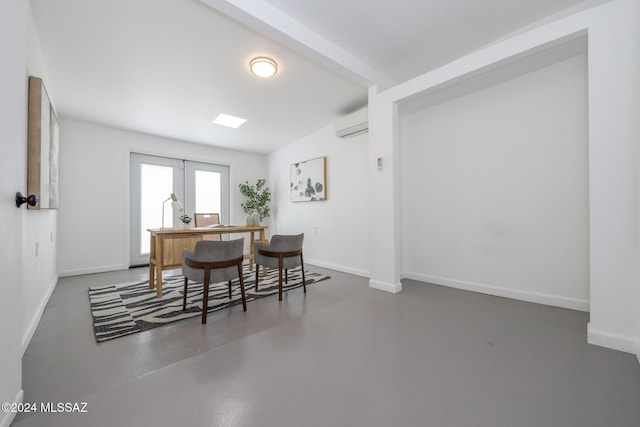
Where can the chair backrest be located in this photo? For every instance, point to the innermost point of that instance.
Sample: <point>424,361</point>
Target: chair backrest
<point>205,219</point>
<point>207,250</point>
<point>286,242</point>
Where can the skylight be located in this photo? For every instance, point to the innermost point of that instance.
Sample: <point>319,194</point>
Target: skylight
<point>229,121</point>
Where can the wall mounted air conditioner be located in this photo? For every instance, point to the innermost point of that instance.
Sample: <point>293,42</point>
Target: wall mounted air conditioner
<point>352,124</point>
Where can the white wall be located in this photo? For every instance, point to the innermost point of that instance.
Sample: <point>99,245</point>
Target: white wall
<point>39,227</point>
<point>342,221</point>
<point>614,131</point>
<point>494,189</point>
<point>93,219</point>
<point>13,172</point>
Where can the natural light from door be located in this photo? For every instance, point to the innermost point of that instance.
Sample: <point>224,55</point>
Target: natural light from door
<point>156,183</point>
<point>208,197</point>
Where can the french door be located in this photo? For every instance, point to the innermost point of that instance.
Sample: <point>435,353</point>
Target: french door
<point>201,187</point>
<point>207,189</point>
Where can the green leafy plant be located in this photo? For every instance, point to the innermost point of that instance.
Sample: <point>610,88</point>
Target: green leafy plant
<point>185,218</point>
<point>257,198</point>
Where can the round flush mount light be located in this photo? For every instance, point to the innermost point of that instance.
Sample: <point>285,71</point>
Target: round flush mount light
<point>263,67</point>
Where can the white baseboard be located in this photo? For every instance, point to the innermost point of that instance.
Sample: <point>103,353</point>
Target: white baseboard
<point>349,270</point>
<point>394,288</point>
<point>92,270</point>
<point>9,416</point>
<point>538,298</point>
<point>33,324</point>
<point>613,341</point>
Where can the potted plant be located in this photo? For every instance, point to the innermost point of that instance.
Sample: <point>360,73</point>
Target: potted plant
<point>256,205</point>
<point>186,220</point>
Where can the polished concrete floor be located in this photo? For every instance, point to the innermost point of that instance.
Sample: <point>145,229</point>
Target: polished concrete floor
<point>341,355</point>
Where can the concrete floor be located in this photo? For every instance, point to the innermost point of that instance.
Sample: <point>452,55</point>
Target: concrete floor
<point>341,355</point>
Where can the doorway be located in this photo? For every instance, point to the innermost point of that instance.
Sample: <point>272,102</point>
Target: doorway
<point>201,187</point>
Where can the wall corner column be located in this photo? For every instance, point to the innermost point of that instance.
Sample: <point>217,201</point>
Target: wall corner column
<point>383,197</point>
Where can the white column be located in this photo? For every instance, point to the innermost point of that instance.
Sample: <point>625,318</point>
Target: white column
<point>614,134</point>
<point>383,188</point>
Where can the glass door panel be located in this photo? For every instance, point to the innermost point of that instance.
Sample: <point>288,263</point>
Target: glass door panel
<point>207,189</point>
<point>153,179</point>
<point>208,196</point>
<point>155,183</point>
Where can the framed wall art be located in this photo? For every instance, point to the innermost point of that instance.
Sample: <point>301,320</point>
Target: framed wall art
<point>308,180</point>
<point>43,141</point>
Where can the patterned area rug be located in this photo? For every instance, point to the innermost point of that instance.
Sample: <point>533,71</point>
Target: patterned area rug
<point>128,308</point>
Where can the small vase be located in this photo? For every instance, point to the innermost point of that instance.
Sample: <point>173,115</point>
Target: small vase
<point>256,218</point>
<point>186,226</point>
<point>249,220</point>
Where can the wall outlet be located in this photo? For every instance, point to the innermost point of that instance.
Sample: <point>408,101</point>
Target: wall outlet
<point>315,230</point>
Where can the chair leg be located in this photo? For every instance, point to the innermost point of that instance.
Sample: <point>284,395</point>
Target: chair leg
<point>257,269</point>
<point>304,284</point>
<point>280,279</point>
<point>184,296</point>
<point>244,298</point>
<point>205,296</point>
<point>229,289</point>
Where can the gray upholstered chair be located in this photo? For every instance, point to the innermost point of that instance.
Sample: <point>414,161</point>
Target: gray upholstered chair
<point>213,262</point>
<point>284,253</point>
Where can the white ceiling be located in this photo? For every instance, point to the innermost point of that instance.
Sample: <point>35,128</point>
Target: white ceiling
<point>170,67</point>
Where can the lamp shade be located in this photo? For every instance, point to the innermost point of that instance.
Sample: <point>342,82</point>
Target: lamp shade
<point>178,207</point>
<point>175,204</point>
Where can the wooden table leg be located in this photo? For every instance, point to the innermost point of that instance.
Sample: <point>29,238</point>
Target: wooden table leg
<point>252,241</point>
<point>152,262</point>
<point>152,270</point>
<point>159,266</point>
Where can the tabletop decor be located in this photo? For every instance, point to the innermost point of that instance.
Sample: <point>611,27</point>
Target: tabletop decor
<point>257,201</point>
<point>186,220</point>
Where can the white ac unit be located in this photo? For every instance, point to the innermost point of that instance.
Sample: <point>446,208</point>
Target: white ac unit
<point>352,124</point>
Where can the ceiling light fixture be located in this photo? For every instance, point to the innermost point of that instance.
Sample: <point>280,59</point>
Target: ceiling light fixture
<point>229,121</point>
<point>263,67</point>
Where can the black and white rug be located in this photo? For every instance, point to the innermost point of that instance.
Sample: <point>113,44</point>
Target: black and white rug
<point>128,308</point>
